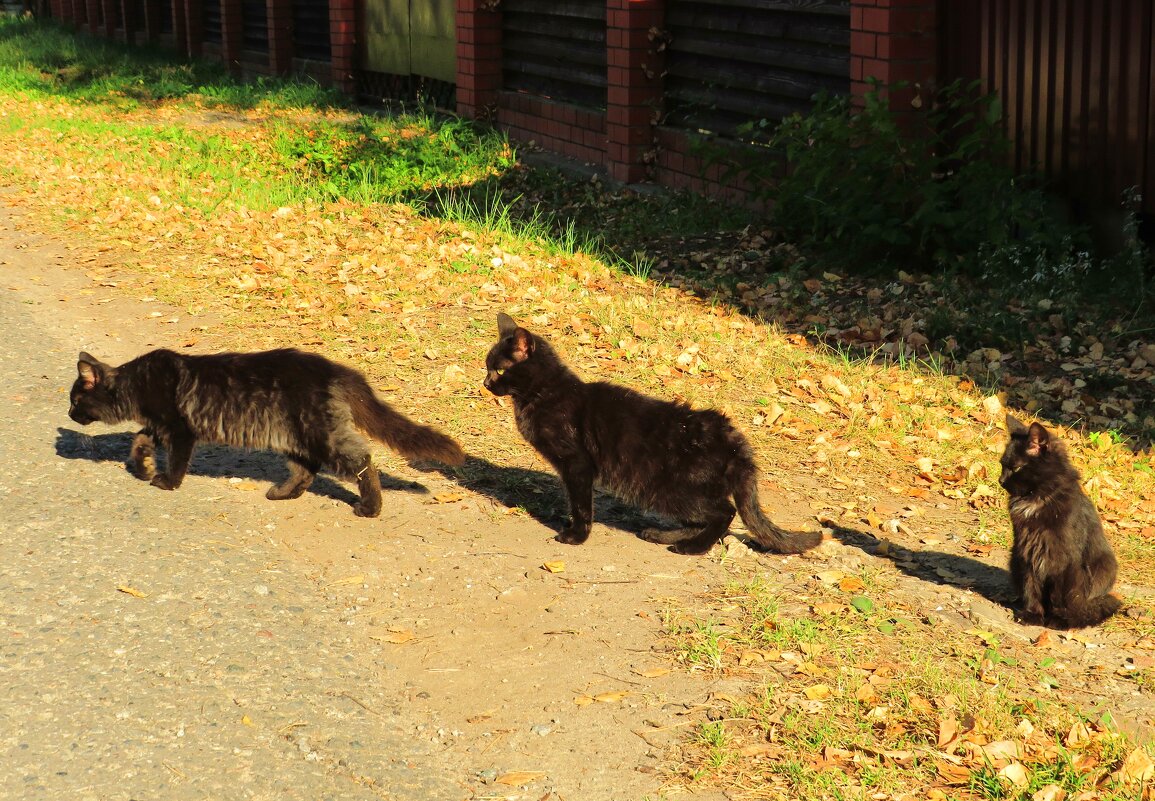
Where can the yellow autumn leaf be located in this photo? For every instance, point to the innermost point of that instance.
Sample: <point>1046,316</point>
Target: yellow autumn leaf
<point>516,778</point>
<point>851,584</point>
<point>554,567</point>
<point>818,692</point>
<point>1137,767</point>
<point>447,497</point>
<point>397,636</point>
<point>652,673</point>
<point>611,697</point>
<point>133,591</point>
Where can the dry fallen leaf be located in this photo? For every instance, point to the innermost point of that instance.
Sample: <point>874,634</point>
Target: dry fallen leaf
<point>447,497</point>
<point>1015,775</point>
<point>1051,792</point>
<point>818,692</point>
<point>133,591</point>
<point>851,584</point>
<point>652,673</point>
<point>554,567</point>
<point>394,636</point>
<point>1137,767</point>
<point>516,778</point>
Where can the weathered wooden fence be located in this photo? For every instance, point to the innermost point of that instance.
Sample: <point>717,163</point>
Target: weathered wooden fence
<point>732,62</point>
<point>556,49</point>
<point>1075,78</point>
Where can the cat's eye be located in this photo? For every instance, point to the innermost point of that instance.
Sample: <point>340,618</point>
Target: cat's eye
<point>500,371</point>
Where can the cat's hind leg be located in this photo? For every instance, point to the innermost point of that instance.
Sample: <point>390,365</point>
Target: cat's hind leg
<point>143,455</point>
<point>300,478</point>
<point>369,485</point>
<point>697,539</point>
<point>352,457</point>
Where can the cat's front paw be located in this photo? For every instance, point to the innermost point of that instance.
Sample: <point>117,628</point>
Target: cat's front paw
<point>691,548</point>
<point>362,509</point>
<point>573,536</point>
<point>164,482</point>
<point>145,471</point>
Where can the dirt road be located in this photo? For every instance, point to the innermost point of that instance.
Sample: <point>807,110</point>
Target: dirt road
<point>209,643</point>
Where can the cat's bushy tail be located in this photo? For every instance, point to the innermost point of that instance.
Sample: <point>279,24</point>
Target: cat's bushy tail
<point>384,423</point>
<point>1092,613</point>
<point>765,532</point>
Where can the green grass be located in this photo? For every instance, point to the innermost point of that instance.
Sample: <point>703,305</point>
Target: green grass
<point>44,59</point>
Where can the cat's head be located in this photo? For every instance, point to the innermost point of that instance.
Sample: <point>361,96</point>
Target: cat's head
<point>507,361</point>
<point>1027,447</point>
<point>93,395</point>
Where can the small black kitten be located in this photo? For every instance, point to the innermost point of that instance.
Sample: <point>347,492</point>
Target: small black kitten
<point>1061,563</point>
<point>299,404</point>
<point>659,455</point>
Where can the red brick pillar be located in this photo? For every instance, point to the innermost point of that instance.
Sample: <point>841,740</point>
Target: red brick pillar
<point>634,85</point>
<point>232,34</point>
<point>280,18</point>
<point>894,41</point>
<point>478,57</point>
<point>343,42</point>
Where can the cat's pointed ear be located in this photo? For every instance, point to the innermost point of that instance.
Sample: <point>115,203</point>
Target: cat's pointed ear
<point>506,325</point>
<point>523,345</point>
<point>1038,440</point>
<point>92,371</point>
<point>1014,427</point>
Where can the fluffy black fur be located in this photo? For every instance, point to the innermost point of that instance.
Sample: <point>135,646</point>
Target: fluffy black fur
<point>661,456</point>
<point>299,404</point>
<point>1061,563</point>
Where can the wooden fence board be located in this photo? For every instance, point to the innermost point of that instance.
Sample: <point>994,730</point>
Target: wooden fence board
<point>556,49</point>
<point>1075,78</point>
<point>766,57</point>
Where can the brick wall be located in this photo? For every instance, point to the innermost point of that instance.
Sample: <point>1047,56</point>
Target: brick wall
<point>894,41</point>
<point>891,41</point>
<point>118,18</point>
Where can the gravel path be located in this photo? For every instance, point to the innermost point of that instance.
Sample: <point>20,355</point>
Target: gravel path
<point>154,646</point>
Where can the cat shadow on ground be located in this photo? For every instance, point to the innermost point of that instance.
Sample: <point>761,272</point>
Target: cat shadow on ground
<point>937,567</point>
<point>539,494</point>
<point>217,461</point>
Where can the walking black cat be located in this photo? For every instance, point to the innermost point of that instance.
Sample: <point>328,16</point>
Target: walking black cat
<point>296,403</point>
<point>662,456</point>
<point>1061,563</point>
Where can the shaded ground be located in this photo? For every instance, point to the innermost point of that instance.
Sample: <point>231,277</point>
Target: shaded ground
<point>1085,361</point>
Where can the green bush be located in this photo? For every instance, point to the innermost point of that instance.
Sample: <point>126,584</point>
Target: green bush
<point>865,191</point>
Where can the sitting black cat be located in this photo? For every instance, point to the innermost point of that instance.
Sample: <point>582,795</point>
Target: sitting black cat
<point>660,455</point>
<point>1061,563</point>
<point>299,404</point>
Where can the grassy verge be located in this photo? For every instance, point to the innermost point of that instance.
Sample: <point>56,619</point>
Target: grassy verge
<point>391,242</point>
